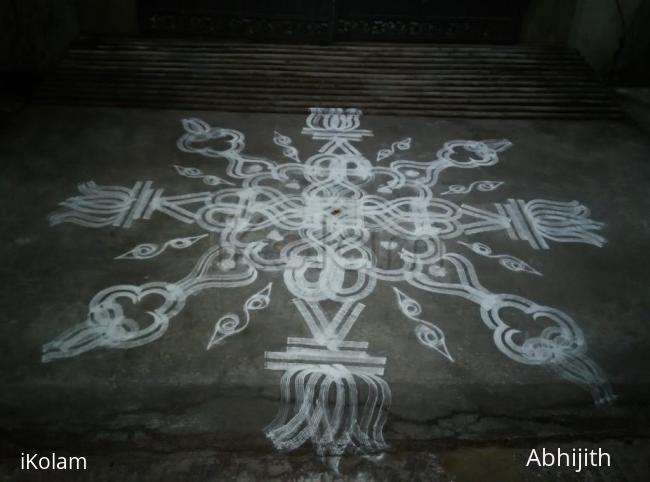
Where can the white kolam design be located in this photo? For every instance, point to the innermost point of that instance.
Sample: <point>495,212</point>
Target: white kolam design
<point>402,145</point>
<point>151,250</point>
<point>507,261</point>
<point>331,227</point>
<point>484,186</point>
<point>230,324</point>
<point>195,173</point>
<point>285,142</point>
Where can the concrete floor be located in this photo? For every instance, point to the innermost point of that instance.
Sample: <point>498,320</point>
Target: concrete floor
<point>191,413</point>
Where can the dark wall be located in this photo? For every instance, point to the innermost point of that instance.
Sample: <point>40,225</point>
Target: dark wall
<point>108,17</point>
<point>326,21</point>
<point>632,59</point>
<point>549,21</point>
<point>35,33</point>
<point>612,35</point>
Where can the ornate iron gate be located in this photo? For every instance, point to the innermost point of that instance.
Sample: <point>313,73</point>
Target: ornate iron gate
<point>324,21</point>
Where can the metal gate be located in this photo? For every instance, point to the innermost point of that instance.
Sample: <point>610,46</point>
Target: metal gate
<point>326,21</point>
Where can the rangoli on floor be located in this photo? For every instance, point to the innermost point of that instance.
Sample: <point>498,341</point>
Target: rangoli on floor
<point>315,221</point>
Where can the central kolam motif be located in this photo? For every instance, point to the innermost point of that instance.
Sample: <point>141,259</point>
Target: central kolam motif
<point>317,223</point>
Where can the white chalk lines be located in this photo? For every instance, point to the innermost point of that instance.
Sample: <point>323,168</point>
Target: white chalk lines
<point>287,149</point>
<point>151,250</point>
<point>231,323</point>
<point>402,145</point>
<point>428,334</point>
<point>507,261</point>
<point>195,173</point>
<point>333,225</point>
<point>483,186</point>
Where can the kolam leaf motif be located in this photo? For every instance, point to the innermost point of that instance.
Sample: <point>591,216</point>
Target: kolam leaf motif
<point>195,126</point>
<point>231,323</point>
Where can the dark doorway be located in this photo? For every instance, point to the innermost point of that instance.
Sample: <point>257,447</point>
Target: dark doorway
<point>325,21</point>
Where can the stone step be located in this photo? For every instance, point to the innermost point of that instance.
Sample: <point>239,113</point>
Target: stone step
<point>386,79</point>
